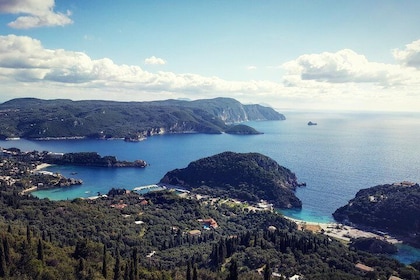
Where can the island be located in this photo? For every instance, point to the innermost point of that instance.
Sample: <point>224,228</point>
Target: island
<point>387,209</point>
<point>247,176</point>
<point>39,119</point>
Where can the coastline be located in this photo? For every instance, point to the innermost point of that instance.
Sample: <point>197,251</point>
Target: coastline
<point>37,168</point>
<point>41,166</point>
<point>341,232</point>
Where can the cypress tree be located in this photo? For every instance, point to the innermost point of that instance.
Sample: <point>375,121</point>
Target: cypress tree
<point>40,250</point>
<point>104,264</point>
<point>267,272</point>
<point>117,266</point>
<point>135,263</point>
<point>188,271</point>
<point>6,250</point>
<point>126,272</point>
<point>195,275</point>
<point>2,262</point>
<point>233,271</point>
<point>28,235</point>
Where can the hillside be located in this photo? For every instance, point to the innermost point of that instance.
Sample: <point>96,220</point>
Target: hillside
<point>36,118</point>
<point>250,177</point>
<point>161,235</point>
<point>393,208</point>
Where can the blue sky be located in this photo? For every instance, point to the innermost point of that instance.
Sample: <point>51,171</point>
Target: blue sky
<point>345,55</point>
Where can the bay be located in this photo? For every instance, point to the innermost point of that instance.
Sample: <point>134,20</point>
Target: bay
<point>344,153</point>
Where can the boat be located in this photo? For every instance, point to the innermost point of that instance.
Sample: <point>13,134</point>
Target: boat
<point>312,123</point>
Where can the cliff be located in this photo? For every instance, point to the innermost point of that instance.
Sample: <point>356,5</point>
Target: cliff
<point>44,119</point>
<point>249,176</point>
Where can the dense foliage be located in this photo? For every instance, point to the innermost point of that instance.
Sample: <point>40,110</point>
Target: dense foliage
<point>83,239</point>
<point>393,208</point>
<point>36,118</point>
<point>374,245</point>
<point>241,129</point>
<point>249,176</point>
<point>162,235</point>
<point>90,159</point>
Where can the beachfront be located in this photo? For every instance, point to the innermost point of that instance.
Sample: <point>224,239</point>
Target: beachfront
<point>341,232</point>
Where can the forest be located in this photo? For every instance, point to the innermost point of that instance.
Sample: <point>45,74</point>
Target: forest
<point>158,236</point>
<point>246,176</point>
<point>33,118</point>
<point>162,235</point>
<point>390,208</point>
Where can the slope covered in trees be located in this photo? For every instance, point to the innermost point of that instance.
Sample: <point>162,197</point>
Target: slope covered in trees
<point>37,118</point>
<point>393,208</point>
<point>249,176</point>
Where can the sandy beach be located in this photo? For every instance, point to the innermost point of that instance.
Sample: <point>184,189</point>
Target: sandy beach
<point>339,231</point>
<point>42,166</point>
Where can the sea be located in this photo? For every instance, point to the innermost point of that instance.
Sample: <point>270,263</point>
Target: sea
<point>343,153</point>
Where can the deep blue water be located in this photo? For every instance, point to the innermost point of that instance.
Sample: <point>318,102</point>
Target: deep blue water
<point>344,153</point>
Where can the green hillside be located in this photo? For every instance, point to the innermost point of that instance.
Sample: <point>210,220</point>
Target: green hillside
<point>393,208</point>
<point>249,176</point>
<point>37,118</point>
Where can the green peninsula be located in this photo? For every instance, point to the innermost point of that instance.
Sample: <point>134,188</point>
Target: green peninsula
<point>33,118</point>
<point>392,208</point>
<point>248,176</point>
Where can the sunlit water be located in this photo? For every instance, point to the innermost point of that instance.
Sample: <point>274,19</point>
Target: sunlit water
<point>344,153</point>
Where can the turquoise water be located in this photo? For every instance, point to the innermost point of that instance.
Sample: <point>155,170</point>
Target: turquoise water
<point>344,153</point>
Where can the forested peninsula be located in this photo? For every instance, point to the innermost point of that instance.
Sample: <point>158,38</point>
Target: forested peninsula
<point>246,176</point>
<point>391,208</point>
<point>33,118</point>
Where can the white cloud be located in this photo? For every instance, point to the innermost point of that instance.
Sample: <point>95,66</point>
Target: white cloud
<point>251,67</point>
<point>153,60</point>
<point>25,59</point>
<point>342,80</point>
<point>410,56</point>
<point>345,66</point>
<point>36,13</point>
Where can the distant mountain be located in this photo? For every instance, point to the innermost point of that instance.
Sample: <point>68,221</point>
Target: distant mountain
<point>393,208</point>
<point>249,176</point>
<point>38,118</point>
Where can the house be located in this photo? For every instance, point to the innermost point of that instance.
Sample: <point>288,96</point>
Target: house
<point>195,232</point>
<point>364,267</point>
<point>394,278</point>
<point>208,223</point>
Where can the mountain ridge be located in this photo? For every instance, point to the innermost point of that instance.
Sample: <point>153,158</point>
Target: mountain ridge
<point>34,118</point>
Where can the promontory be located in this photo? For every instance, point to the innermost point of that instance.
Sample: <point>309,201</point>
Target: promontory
<point>247,176</point>
<point>33,118</point>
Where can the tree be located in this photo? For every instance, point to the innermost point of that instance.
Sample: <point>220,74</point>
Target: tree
<point>188,271</point>
<point>2,262</point>
<point>233,270</point>
<point>117,269</point>
<point>195,275</point>
<point>104,264</point>
<point>28,234</point>
<point>40,250</point>
<point>267,271</point>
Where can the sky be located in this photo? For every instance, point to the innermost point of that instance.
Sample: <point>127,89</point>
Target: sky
<point>288,54</point>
